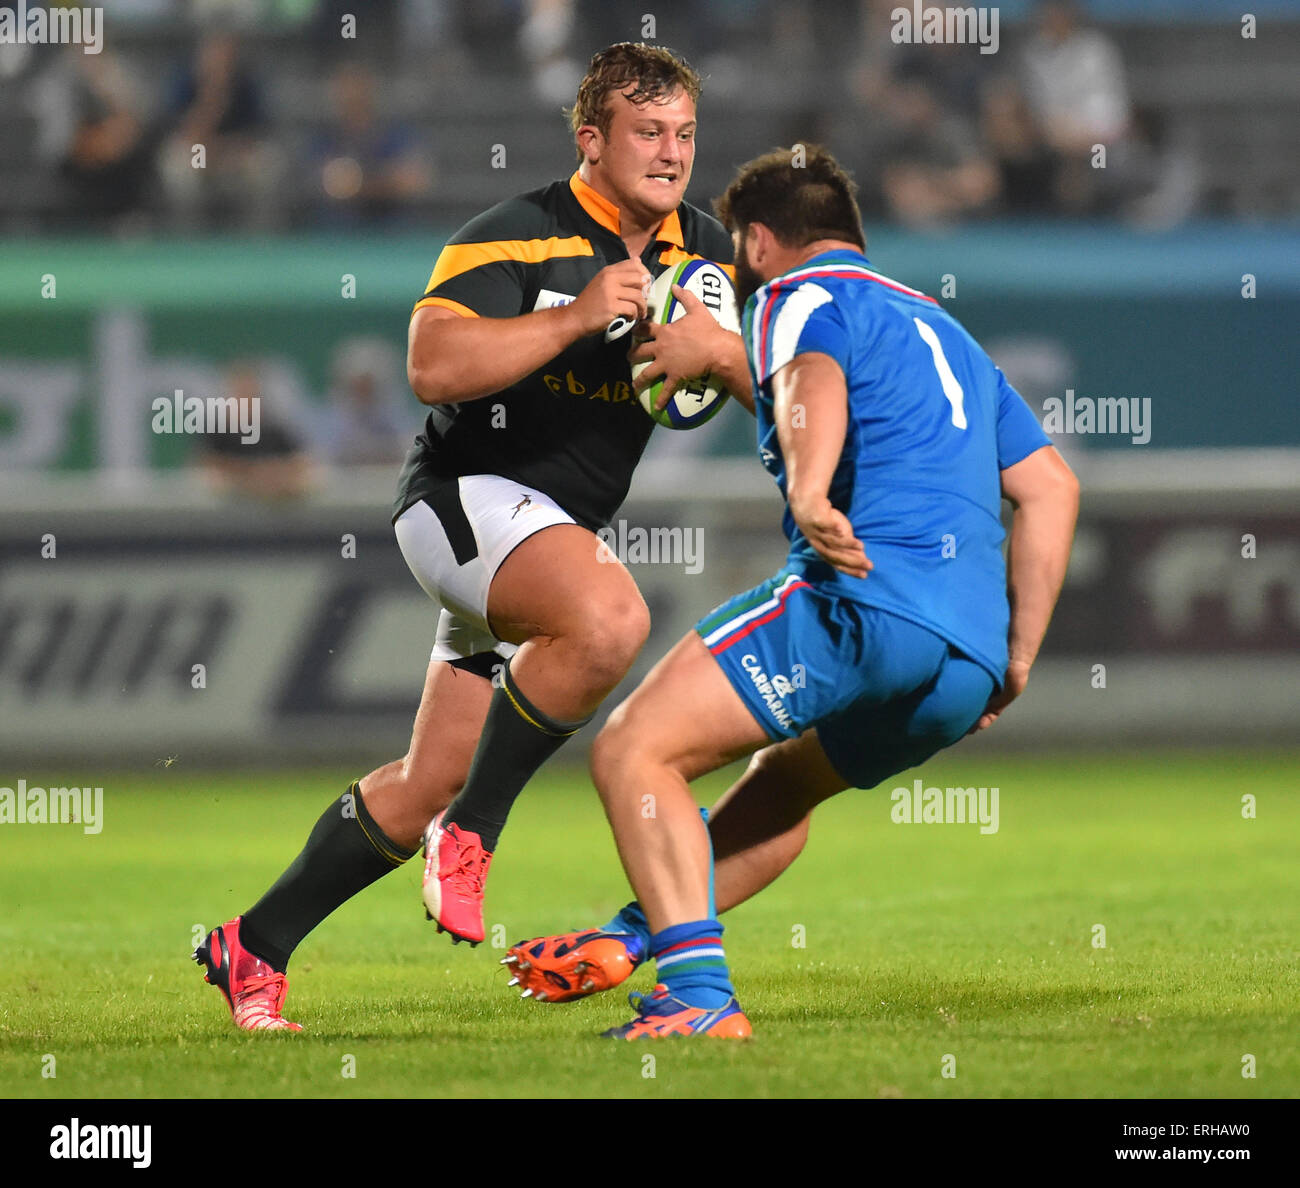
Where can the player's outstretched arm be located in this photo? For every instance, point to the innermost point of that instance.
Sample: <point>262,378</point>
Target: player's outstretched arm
<point>811,409</point>
<point>1044,493</point>
<point>451,357</point>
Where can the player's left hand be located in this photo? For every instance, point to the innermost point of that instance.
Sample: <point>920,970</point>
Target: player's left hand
<point>1012,686</point>
<point>678,351</point>
<point>829,532</point>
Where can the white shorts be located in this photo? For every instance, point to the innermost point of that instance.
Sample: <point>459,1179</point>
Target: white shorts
<point>454,543</point>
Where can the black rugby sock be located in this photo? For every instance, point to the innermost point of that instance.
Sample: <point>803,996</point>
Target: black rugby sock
<point>517,739</point>
<point>345,852</point>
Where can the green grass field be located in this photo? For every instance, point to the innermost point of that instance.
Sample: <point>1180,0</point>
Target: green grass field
<point>920,942</point>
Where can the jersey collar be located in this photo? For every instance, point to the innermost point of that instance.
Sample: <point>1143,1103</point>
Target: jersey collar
<point>821,260</point>
<point>605,213</point>
<point>849,255</point>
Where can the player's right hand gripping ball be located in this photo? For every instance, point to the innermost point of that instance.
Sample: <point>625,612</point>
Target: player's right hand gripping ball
<point>698,400</point>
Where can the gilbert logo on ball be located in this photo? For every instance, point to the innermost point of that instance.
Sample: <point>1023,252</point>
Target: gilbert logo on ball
<point>699,399</point>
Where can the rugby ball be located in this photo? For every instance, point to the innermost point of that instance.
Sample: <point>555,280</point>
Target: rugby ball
<point>698,400</point>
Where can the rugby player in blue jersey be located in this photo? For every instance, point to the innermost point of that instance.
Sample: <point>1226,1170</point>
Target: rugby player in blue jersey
<point>894,628</point>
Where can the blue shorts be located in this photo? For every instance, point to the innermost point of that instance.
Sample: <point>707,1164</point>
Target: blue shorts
<point>883,693</point>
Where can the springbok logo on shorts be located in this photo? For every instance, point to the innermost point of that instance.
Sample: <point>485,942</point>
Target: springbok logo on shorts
<point>771,689</point>
<point>523,503</point>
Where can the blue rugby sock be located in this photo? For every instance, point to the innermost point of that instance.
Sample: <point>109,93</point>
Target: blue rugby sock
<point>692,965</point>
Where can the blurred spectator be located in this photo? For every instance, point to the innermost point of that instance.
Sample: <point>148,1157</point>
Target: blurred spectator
<point>91,132</point>
<point>217,101</point>
<point>274,466</point>
<point>372,417</point>
<point>429,37</point>
<point>364,171</point>
<point>935,171</point>
<point>544,42</point>
<point>872,67</point>
<point>816,42</point>
<point>1026,165</point>
<point>954,72</point>
<point>1076,89</point>
<point>1074,80</point>
<point>1163,171</point>
<point>917,142</point>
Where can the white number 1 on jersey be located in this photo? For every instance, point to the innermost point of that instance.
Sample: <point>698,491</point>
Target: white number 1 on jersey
<point>951,388</point>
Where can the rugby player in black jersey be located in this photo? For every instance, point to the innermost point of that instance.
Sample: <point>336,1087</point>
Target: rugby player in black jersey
<point>528,449</point>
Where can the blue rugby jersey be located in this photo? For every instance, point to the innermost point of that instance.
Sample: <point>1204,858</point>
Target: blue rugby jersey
<point>931,424</point>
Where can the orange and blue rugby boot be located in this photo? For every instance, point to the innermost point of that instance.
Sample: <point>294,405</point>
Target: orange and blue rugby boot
<point>660,1015</point>
<point>574,964</point>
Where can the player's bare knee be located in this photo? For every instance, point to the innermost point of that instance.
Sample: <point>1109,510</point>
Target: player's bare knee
<point>611,639</point>
<point>425,793</point>
<point>601,760</point>
<point>624,626</point>
<point>612,754</point>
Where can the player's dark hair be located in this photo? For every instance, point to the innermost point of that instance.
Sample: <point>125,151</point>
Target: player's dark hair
<point>802,194</point>
<point>644,73</point>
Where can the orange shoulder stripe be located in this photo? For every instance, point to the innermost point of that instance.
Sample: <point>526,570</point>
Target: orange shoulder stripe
<point>456,258</point>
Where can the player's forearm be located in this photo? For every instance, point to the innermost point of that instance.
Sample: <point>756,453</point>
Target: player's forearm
<point>811,409</point>
<point>1037,556</point>
<point>731,366</point>
<point>455,358</point>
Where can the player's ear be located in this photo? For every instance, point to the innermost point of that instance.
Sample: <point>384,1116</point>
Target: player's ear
<point>589,142</point>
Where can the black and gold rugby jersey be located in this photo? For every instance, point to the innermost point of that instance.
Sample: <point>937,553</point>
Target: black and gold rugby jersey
<point>573,429</point>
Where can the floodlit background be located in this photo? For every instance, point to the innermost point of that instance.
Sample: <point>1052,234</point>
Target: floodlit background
<point>1108,203</point>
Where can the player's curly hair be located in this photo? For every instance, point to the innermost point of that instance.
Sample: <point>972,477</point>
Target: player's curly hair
<point>644,73</point>
<point>801,194</point>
